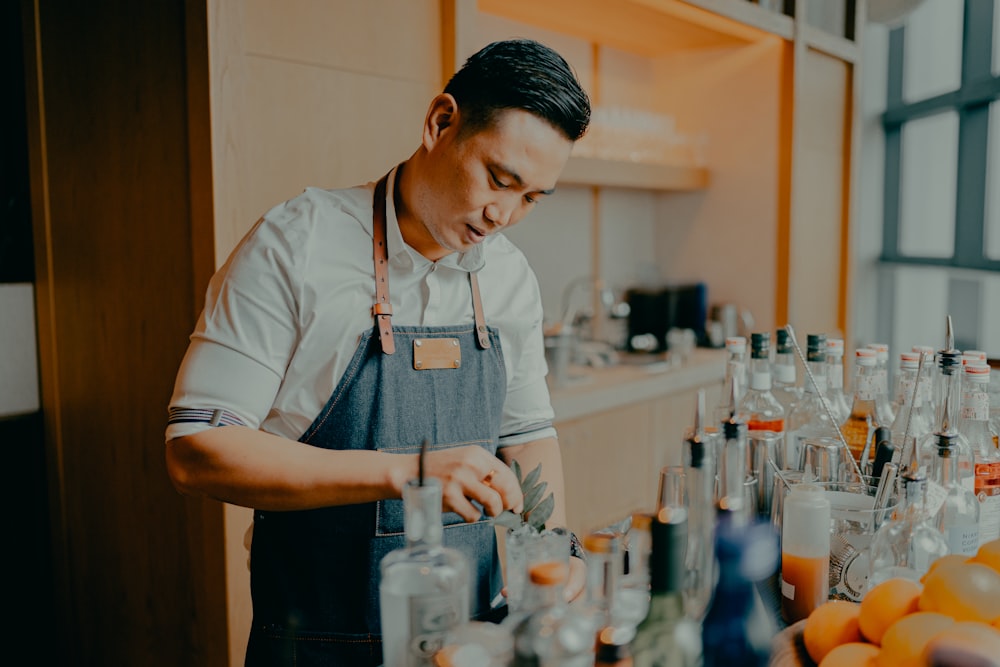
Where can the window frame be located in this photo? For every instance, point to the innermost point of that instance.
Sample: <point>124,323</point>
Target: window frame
<point>978,87</point>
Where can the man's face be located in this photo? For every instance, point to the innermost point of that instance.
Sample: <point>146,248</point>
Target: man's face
<point>481,182</point>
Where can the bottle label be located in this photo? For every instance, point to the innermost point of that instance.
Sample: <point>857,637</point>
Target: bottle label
<point>975,405</point>
<point>962,539</point>
<point>866,387</point>
<point>784,374</point>
<point>431,616</point>
<point>787,590</point>
<point>936,495</point>
<point>760,380</point>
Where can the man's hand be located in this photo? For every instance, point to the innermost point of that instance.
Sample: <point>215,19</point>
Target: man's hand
<point>471,473</point>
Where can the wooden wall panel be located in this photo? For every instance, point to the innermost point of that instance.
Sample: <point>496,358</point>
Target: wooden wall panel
<point>112,210</point>
<point>818,200</point>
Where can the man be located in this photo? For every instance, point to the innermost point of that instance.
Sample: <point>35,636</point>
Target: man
<point>316,372</point>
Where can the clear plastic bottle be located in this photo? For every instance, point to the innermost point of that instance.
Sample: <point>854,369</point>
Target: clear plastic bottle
<point>762,410</point>
<point>805,551</point>
<point>555,633</point>
<point>424,590</point>
<point>835,379</point>
<point>605,567</point>
<point>666,637</point>
<point>909,363</point>
<point>883,401</point>
<point>785,386</point>
<point>809,420</point>
<point>862,421</point>
<point>736,376</point>
<point>974,424</point>
<point>958,516</point>
<point>948,389</point>
<point>907,543</point>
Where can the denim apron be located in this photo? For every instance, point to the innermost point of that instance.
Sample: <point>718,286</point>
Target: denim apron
<point>315,573</point>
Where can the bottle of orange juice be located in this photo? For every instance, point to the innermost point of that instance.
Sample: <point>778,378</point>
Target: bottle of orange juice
<point>805,551</point>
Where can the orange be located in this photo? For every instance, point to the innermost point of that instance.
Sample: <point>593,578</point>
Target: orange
<point>885,604</point>
<point>966,640</point>
<point>853,654</point>
<point>946,561</point>
<point>831,624</point>
<point>904,641</point>
<point>988,554</point>
<point>968,592</point>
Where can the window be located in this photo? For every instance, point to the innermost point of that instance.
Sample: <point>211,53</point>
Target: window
<point>942,134</point>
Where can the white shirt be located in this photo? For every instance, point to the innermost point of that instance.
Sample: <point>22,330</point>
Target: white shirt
<point>284,315</point>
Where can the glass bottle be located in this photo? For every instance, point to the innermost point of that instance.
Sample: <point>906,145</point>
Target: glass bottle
<point>835,379</point>
<point>785,386</point>
<point>424,590</point>
<point>732,470</point>
<point>809,420</point>
<point>736,375</point>
<point>632,600</point>
<point>958,516</point>
<point>909,400</point>
<point>666,637</point>
<point>908,542</point>
<point>926,381</point>
<point>805,551</point>
<point>554,633</point>
<point>763,411</point>
<point>604,569</point>
<point>948,389</point>
<point>862,421</point>
<point>974,424</point>
<point>699,471</point>
<point>883,402</point>
<point>737,629</point>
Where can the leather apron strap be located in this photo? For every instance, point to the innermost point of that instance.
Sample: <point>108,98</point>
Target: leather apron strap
<point>382,309</point>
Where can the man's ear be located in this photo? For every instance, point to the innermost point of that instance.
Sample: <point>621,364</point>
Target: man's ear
<point>442,117</point>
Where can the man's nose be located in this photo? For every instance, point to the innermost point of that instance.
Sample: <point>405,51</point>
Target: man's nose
<point>499,214</point>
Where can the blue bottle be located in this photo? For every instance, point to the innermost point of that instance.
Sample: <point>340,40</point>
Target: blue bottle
<point>737,629</point>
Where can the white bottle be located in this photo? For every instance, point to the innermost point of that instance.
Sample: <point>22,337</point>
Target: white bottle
<point>805,551</point>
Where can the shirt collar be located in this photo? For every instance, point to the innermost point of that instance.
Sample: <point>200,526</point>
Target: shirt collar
<point>403,256</point>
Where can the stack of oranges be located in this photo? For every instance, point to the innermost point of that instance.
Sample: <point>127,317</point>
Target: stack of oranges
<point>951,616</point>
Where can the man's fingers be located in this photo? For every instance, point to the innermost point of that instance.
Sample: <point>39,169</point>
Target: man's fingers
<point>455,500</point>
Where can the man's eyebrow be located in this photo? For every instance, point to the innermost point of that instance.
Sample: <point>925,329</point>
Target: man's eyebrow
<point>520,181</point>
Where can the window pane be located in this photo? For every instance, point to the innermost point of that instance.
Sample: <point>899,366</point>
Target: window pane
<point>992,240</point>
<point>932,49</point>
<point>928,169</point>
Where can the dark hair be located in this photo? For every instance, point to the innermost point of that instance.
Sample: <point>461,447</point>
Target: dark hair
<point>520,74</point>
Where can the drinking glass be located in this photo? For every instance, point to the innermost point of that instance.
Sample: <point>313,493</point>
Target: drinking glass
<point>524,547</point>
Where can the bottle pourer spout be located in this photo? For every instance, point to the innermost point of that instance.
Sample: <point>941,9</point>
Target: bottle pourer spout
<point>699,412</point>
<point>949,343</point>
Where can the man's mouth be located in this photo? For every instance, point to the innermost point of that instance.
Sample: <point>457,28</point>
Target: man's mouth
<point>474,235</point>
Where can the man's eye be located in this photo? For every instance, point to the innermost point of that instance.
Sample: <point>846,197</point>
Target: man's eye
<point>500,184</point>
<point>529,199</point>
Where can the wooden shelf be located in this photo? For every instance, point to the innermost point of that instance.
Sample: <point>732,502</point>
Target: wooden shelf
<point>650,27</point>
<point>633,175</point>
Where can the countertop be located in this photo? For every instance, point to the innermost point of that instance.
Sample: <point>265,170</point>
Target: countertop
<point>597,389</point>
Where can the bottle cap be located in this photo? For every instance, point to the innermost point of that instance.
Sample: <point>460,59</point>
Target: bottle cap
<point>641,520</point>
<point>881,348</point>
<point>925,349</point>
<point>600,543</point>
<point>548,573</point>
<point>736,344</point>
<point>979,372</point>
<point>835,346</point>
<point>760,345</point>
<point>816,347</point>
<point>949,360</point>
<point>865,357</point>
<point>784,342</point>
<point>979,354</point>
<point>947,444</point>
